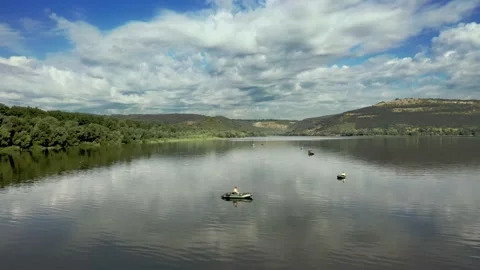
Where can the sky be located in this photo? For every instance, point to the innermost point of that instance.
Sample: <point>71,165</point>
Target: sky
<point>284,59</point>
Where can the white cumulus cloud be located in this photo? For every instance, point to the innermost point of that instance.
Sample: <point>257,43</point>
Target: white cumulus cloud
<point>249,59</point>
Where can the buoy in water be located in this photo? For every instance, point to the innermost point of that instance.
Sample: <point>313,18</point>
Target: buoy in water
<point>341,176</point>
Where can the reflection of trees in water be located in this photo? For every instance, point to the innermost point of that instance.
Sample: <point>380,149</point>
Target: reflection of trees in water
<point>18,167</point>
<point>402,152</point>
<point>317,222</point>
<point>408,152</point>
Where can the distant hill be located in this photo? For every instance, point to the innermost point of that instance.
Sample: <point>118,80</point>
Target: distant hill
<point>26,127</point>
<point>410,116</point>
<point>172,118</point>
<point>267,126</point>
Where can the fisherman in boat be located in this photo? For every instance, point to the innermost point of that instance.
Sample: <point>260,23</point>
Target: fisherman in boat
<point>343,174</point>
<point>235,190</point>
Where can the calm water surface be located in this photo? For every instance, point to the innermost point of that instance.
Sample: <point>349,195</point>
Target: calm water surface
<point>407,203</point>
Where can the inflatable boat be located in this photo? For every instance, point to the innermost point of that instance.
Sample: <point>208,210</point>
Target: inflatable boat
<point>231,195</point>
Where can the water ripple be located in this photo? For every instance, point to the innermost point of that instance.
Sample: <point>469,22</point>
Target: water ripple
<point>165,213</point>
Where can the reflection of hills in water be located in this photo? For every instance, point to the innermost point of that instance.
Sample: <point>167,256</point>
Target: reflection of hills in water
<point>18,167</point>
<point>299,218</point>
<point>400,152</point>
<point>346,231</point>
<point>408,152</point>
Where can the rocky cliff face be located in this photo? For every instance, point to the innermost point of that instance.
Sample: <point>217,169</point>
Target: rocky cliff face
<point>424,101</point>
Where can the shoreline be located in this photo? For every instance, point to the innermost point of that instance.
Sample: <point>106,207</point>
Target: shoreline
<point>89,145</point>
<point>188,139</point>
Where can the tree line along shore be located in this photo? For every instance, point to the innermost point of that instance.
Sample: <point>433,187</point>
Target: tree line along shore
<point>33,128</point>
<point>29,128</point>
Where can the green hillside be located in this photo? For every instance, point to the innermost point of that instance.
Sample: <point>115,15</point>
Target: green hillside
<point>398,117</point>
<point>218,123</point>
<point>25,127</point>
<point>171,118</point>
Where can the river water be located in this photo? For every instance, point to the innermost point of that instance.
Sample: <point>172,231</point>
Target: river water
<point>407,203</point>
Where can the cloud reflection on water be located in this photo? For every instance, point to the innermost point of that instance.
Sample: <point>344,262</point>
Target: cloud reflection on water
<point>168,209</point>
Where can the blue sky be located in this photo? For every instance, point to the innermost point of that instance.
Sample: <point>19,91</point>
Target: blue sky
<point>238,58</point>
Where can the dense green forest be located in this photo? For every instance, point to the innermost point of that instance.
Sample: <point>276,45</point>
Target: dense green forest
<point>26,127</point>
<point>398,117</point>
